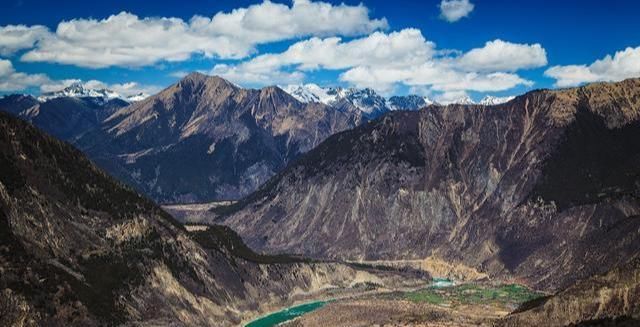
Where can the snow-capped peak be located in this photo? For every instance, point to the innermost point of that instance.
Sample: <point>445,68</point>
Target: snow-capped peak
<point>372,104</point>
<point>428,101</point>
<point>409,102</point>
<point>137,97</point>
<point>492,100</point>
<point>78,90</point>
<point>310,93</point>
<point>465,100</point>
<point>367,100</point>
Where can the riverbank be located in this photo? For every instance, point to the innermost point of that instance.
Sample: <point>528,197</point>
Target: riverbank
<point>468,304</point>
<point>335,295</point>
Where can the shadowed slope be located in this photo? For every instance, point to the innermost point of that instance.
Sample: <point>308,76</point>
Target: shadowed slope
<point>542,188</point>
<point>80,249</point>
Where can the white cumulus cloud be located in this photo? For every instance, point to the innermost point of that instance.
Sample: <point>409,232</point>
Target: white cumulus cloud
<point>269,22</point>
<point>499,55</point>
<point>623,64</point>
<point>11,80</point>
<point>242,75</point>
<point>127,40</point>
<point>131,41</point>
<point>454,10</point>
<point>403,48</point>
<point>17,37</point>
<point>124,89</point>
<point>382,61</point>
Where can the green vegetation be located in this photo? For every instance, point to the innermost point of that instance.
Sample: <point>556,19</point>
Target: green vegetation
<point>426,296</point>
<point>474,294</point>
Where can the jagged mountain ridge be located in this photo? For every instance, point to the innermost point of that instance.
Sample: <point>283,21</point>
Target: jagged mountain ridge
<point>66,118</point>
<point>366,100</point>
<point>492,100</point>
<point>80,249</point>
<point>237,138</point>
<point>372,104</point>
<point>205,138</point>
<point>78,90</point>
<point>542,188</point>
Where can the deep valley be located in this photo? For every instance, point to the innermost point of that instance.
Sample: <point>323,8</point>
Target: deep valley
<point>530,207</point>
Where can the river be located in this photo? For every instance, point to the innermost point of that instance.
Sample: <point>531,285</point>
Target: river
<point>285,315</point>
<point>291,313</point>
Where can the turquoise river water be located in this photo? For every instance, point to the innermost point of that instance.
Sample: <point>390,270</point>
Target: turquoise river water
<point>291,313</point>
<point>285,315</point>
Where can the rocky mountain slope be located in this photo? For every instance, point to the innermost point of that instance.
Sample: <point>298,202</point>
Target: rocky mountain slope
<point>233,139</point>
<point>65,117</point>
<point>610,299</point>
<point>79,249</point>
<point>69,113</point>
<point>205,138</point>
<point>543,188</point>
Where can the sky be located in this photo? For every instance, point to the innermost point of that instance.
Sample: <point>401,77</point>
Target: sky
<point>444,49</point>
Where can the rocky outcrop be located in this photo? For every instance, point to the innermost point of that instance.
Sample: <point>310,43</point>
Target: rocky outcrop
<point>542,188</point>
<point>610,299</point>
<point>205,139</point>
<point>80,249</point>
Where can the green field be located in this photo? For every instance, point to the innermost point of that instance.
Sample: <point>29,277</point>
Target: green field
<point>507,294</point>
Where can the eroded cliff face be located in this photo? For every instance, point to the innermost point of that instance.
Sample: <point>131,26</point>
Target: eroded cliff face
<point>542,188</point>
<point>78,248</point>
<point>609,299</point>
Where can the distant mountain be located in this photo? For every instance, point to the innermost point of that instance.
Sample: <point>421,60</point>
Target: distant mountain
<point>66,117</point>
<point>205,138</point>
<point>68,113</point>
<point>236,138</point>
<point>78,90</point>
<point>312,93</point>
<point>16,104</point>
<point>409,102</point>
<point>492,101</point>
<point>543,189</point>
<point>366,100</point>
<point>370,103</point>
<point>78,248</point>
<point>462,100</point>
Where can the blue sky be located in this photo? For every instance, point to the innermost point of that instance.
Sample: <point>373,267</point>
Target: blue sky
<point>542,45</point>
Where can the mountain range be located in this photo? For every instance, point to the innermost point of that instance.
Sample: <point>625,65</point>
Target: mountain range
<point>65,117</point>
<point>205,138</point>
<point>372,104</point>
<point>78,248</point>
<point>78,90</point>
<point>233,139</point>
<point>543,190</point>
